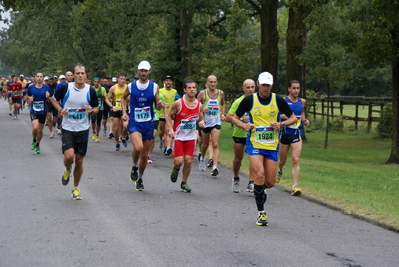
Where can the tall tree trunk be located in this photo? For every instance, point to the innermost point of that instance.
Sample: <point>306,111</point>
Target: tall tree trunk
<point>394,157</point>
<point>269,38</point>
<point>186,18</point>
<point>295,42</point>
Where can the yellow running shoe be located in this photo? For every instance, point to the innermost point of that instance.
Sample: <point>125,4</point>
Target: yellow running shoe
<point>295,190</point>
<point>93,136</point>
<point>65,176</point>
<point>76,194</point>
<point>262,219</point>
<point>97,138</point>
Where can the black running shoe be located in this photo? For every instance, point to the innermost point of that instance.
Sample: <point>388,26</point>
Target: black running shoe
<point>215,172</point>
<point>173,176</point>
<point>210,163</point>
<point>169,151</point>
<point>134,174</point>
<point>139,185</point>
<point>184,188</point>
<point>111,135</point>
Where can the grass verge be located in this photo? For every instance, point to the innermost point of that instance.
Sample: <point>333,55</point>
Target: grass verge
<point>350,173</point>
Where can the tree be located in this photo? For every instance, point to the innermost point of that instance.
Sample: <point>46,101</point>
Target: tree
<point>380,43</point>
<point>267,10</point>
<point>325,54</point>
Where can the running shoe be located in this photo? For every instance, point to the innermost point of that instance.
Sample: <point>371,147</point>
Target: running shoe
<point>97,138</point>
<point>51,135</point>
<point>59,131</point>
<point>160,144</point>
<point>111,135</point>
<point>164,150</point>
<point>10,114</point>
<point>33,145</point>
<point>105,131</point>
<point>169,151</point>
<point>139,185</point>
<point>262,219</point>
<point>37,149</point>
<point>279,175</point>
<point>76,194</point>
<point>65,176</point>
<point>149,161</point>
<point>202,165</point>
<point>184,188</point>
<point>173,176</point>
<point>93,136</point>
<point>295,190</point>
<point>117,147</point>
<point>215,172</point>
<point>250,187</point>
<point>210,163</point>
<point>199,156</point>
<point>124,143</point>
<point>134,174</point>
<point>16,117</point>
<point>235,185</point>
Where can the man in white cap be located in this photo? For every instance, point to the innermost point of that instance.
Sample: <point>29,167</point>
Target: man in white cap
<point>262,141</point>
<point>143,93</point>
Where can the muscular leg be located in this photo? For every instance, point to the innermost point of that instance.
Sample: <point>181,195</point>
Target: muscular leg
<point>238,156</point>
<point>215,136</point>
<point>187,167</point>
<point>296,153</point>
<point>283,156</point>
<point>78,171</point>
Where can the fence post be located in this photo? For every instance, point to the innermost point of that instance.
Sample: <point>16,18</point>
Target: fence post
<point>369,117</point>
<point>322,107</point>
<point>356,115</point>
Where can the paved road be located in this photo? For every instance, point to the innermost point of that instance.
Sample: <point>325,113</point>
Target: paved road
<point>114,225</point>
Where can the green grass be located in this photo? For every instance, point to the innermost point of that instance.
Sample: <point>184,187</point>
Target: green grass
<point>350,174</point>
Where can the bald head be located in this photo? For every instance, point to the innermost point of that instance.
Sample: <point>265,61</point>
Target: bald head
<point>211,82</point>
<point>248,86</point>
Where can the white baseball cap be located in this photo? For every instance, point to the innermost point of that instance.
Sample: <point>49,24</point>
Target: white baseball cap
<point>265,78</point>
<point>144,65</point>
<point>46,78</point>
<point>61,77</point>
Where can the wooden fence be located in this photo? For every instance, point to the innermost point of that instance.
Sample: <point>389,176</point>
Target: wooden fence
<point>374,105</point>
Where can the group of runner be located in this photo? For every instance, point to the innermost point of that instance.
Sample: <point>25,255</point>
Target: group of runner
<point>264,124</point>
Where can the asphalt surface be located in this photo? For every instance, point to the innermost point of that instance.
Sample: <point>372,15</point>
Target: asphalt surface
<point>115,225</point>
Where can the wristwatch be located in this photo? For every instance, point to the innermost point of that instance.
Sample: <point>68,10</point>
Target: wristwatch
<point>283,124</point>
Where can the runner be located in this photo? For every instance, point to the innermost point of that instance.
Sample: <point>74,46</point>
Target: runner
<point>170,95</point>
<point>96,119</point>
<point>113,100</point>
<point>107,85</point>
<point>16,95</point>
<point>79,101</point>
<point>213,100</point>
<point>36,98</point>
<point>291,136</point>
<point>239,138</point>
<point>143,93</point>
<point>262,140</point>
<point>186,112</point>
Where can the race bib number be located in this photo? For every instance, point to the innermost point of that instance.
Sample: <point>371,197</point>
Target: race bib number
<point>213,111</point>
<point>264,134</point>
<point>187,125</point>
<point>76,115</point>
<point>118,104</point>
<point>15,93</point>
<point>142,114</point>
<point>38,106</point>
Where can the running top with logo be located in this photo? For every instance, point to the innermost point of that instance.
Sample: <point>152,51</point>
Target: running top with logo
<point>141,99</point>
<point>261,112</point>
<point>75,101</point>
<point>170,97</point>
<point>15,89</point>
<point>212,117</point>
<point>237,131</point>
<point>118,96</point>
<point>297,109</point>
<point>100,92</point>
<point>185,121</point>
<point>39,98</point>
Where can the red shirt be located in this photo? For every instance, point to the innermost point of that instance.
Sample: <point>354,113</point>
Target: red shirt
<point>16,89</point>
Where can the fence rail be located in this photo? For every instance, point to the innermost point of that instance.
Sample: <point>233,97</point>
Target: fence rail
<point>374,109</point>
